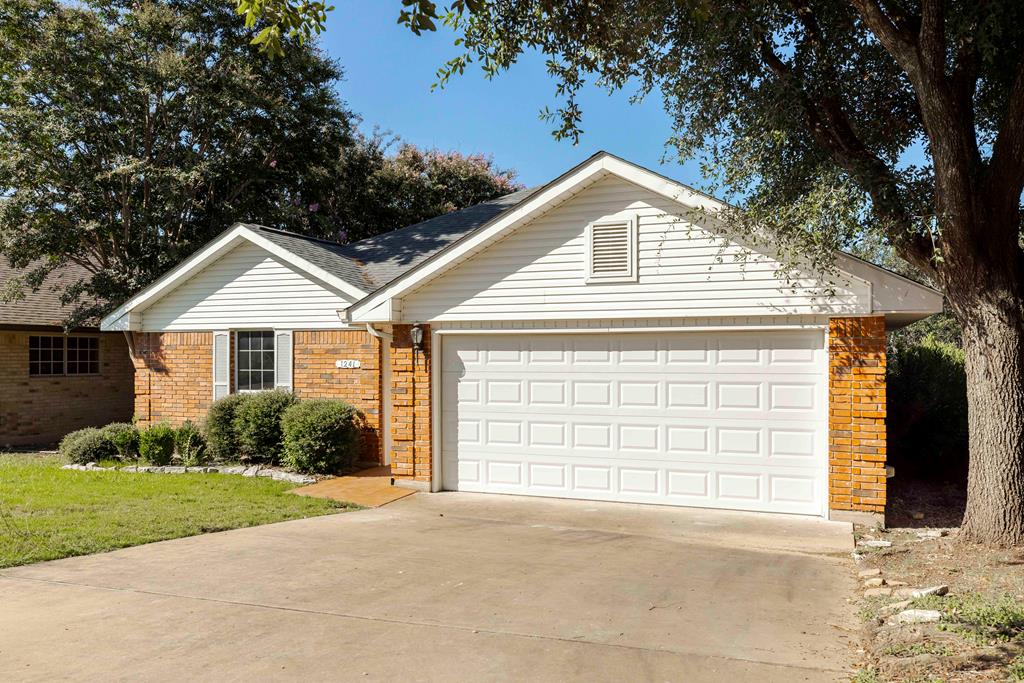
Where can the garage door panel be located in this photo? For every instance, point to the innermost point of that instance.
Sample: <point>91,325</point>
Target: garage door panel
<point>718,420</point>
<point>727,440</point>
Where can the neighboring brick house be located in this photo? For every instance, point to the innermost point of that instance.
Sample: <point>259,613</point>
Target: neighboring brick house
<point>52,382</point>
<point>598,337</point>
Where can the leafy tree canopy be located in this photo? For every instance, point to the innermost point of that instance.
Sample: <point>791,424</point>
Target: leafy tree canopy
<point>131,134</point>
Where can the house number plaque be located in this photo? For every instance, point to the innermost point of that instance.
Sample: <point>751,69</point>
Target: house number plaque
<point>347,363</point>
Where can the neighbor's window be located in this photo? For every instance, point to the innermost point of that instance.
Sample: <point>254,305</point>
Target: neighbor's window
<point>52,355</point>
<point>83,356</point>
<point>255,360</point>
<point>45,355</point>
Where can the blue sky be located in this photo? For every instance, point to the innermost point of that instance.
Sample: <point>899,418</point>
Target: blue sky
<point>389,72</point>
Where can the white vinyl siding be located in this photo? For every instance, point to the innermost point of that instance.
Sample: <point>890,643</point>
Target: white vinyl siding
<point>540,271</point>
<point>246,287</point>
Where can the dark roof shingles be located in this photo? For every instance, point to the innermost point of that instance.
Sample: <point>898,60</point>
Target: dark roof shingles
<point>41,307</point>
<point>373,262</point>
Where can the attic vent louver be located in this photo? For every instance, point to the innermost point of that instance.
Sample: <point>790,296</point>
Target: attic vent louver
<point>612,252</point>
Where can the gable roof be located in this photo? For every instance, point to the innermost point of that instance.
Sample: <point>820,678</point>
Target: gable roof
<point>42,307</point>
<point>316,258</point>
<point>373,270</point>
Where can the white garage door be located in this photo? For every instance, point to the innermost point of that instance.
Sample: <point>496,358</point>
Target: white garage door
<point>727,420</point>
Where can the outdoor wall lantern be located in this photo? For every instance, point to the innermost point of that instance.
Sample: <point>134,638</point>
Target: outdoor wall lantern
<point>416,335</point>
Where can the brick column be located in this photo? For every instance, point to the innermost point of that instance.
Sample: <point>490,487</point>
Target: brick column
<point>857,419</point>
<point>140,344</point>
<point>410,409</point>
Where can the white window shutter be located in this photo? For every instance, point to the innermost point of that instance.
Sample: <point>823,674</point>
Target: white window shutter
<point>221,364</point>
<point>283,359</point>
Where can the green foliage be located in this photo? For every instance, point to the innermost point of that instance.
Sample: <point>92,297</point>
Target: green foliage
<point>927,408</point>
<point>299,21</point>
<point>131,134</point>
<point>321,436</point>
<point>219,427</point>
<point>383,191</point>
<point>866,676</point>
<point>125,438</point>
<point>1015,669</point>
<point>156,444</point>
<point>86,445</point>
<point>190,445</point>
<point>980,617</point>
<point>257,425</point>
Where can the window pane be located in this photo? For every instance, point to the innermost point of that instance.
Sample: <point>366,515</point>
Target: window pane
<point>45,355</point>
<point>255,360</point>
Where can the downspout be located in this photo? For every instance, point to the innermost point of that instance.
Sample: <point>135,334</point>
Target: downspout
<point>377,333</point>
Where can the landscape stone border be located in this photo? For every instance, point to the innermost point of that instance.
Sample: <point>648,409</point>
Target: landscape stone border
<point>243,470</point>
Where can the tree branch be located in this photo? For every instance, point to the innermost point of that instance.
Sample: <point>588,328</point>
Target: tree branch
<point>831,129</point>
<point>896,40</point>
<point>1006,169</point>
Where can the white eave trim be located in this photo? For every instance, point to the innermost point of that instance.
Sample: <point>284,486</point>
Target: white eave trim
<point>125,316</point>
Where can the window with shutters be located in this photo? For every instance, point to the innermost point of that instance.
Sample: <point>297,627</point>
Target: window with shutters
<point>254,352</point>
<point>611,252</point>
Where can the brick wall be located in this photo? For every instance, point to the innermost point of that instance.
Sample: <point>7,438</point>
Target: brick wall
<point>410,412</point>
<point>857,414</point>
<point>39,411</point>
<point>316,376</point>
<point>173,376</point>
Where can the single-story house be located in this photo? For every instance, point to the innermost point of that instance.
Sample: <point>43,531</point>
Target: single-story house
<point>53,382</point>
<point>598,337</point>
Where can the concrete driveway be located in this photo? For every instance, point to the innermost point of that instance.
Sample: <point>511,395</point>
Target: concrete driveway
<point>449,587</point>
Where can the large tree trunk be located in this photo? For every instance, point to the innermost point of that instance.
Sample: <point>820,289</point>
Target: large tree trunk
<point>994,345</point>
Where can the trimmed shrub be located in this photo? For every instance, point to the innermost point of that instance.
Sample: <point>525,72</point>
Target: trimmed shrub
<point>86,445</point>
<point>927,409</point>
<point>156,444</point>
<point>124,436</point>
<point>257,425</point>
<point>219,428</point>
<point>321,436</point>
<point>190,445</point>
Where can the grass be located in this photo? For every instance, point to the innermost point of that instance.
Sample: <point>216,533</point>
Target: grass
<point>47,513</point>
<point>981,618</point>
<point>868,675</point>
<point>1015,670</point>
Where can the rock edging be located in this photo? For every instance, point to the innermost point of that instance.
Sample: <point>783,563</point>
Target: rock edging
<point>245,471</point>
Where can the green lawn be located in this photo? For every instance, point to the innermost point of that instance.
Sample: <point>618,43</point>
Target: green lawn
<point>47,513</point>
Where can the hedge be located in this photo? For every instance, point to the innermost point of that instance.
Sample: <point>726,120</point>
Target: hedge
<point>321,436</point>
